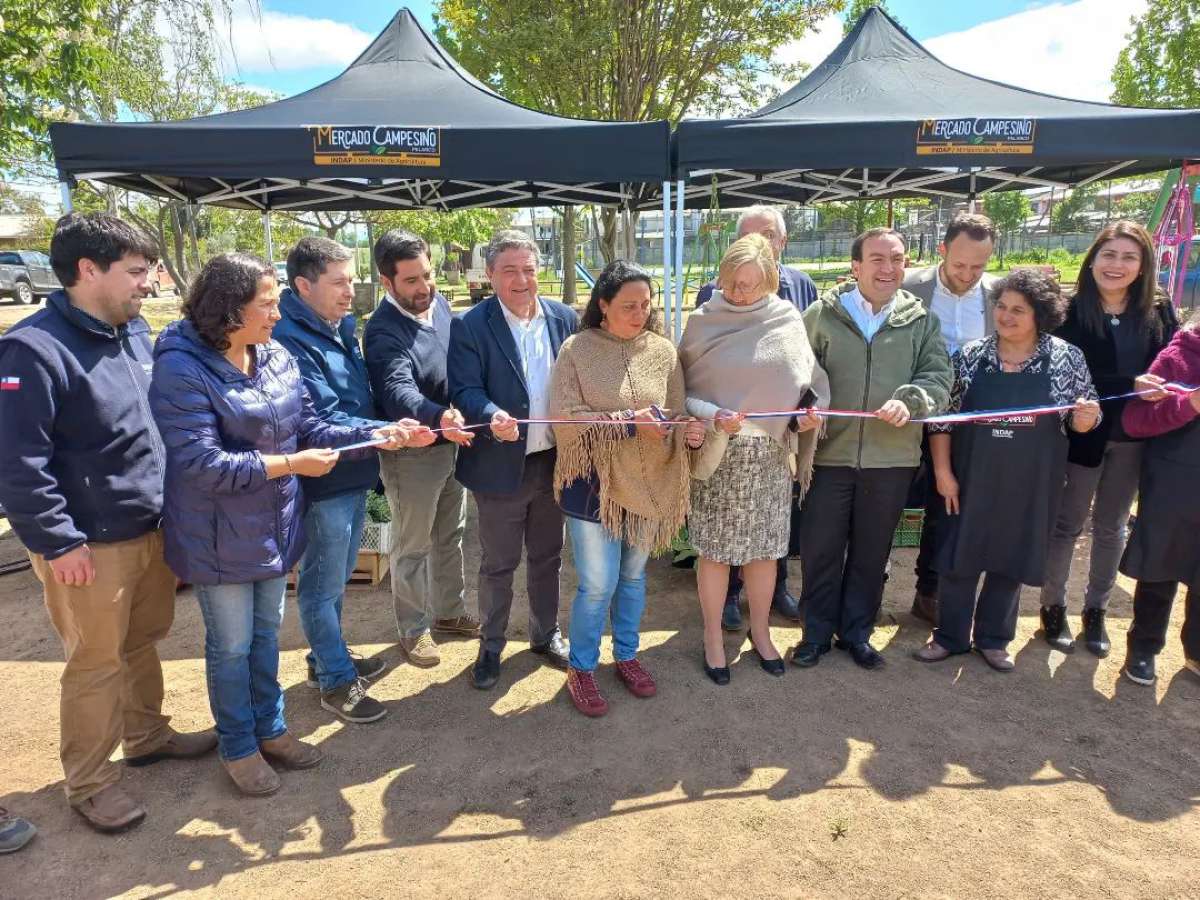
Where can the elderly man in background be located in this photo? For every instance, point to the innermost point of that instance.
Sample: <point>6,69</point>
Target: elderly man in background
<point>796,287</point>
<point>500,358</point>
<point>960,292</point>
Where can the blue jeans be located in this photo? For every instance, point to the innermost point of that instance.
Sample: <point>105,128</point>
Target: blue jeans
<point>241,661</point>
<point>612,576</point>
<point>334,527</point>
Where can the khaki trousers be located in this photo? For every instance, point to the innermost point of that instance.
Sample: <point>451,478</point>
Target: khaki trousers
<point>112,686</point>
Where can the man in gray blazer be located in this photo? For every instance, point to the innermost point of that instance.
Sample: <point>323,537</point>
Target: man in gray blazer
<point>961,293</point>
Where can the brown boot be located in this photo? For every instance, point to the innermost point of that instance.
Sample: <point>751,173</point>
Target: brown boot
<point>290,752</point>
<point>252,775</point>
<point>111,811</point>
<point>177,746</point>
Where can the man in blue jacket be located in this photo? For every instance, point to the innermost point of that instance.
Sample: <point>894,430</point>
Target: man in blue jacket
<point>798,288</point>
<point>500,357</point>
<point>317,329</point>
<point>405,344</point>
<point>81,477</point>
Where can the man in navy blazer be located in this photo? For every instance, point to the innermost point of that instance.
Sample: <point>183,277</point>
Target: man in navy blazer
<point>499,362</point>
<point>796,287</point>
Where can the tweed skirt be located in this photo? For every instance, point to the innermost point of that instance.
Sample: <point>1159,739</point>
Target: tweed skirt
<point>743,511</point>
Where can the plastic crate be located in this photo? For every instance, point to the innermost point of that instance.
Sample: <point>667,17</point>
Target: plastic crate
<point>908,531</point>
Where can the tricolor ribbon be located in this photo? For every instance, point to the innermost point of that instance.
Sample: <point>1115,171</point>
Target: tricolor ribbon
<point>944,419</point>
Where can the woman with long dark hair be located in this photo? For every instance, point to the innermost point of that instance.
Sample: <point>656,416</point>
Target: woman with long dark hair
<point>1120,320</point>
<point>239,428</point>
<point>622,482</point>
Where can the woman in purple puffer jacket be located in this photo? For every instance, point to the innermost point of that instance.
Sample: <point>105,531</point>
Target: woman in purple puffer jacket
<point>239,427</point>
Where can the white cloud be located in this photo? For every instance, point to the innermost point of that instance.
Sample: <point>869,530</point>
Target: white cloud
<point>278,41</point>
<point>1067,49</point>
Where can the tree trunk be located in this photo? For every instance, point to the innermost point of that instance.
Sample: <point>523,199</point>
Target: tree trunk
<point>568,255</point>
<point>609,217</point>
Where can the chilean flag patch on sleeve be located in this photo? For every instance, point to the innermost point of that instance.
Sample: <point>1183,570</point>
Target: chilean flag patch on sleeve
<point>10,383</point>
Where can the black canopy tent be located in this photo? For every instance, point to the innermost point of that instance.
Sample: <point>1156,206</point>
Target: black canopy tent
<point>405,126</point>
<point>882,117</point>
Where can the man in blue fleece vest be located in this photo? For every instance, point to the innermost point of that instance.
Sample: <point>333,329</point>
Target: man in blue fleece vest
<point>81,477</point>
<point>318,330</point>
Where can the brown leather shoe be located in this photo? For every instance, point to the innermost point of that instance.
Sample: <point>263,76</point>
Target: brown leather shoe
<point>421,650</point>
<point>1000,660</point>
<point>931,653</point>
<point>924,607</point>
<point>291,752</point>
<point>464,625</point>
<point>177,746</point>
<point>111,811</point>
<point>252,775</point>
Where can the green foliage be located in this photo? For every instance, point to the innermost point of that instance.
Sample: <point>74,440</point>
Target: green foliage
<point>1007,209</point>
<point>463,227</point>
<point>856,216</point>
<point>49,49</point>
<point>857,9</point>
<point>377,508</point>
<point>1160,65</point>
<point>1068,212</point>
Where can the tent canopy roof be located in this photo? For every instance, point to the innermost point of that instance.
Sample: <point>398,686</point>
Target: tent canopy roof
<point>881,116</point>
<point>404,126</point>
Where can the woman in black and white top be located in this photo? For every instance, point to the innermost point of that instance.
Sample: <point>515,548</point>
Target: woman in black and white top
<point>1120,321</point>
<point>998,526</point>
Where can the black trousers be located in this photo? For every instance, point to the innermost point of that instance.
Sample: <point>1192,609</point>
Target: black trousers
<point>846,527</point>
<point>924,494</point>
<point>993,609</point>
<point>1152,601</point>
<point>527,519</point>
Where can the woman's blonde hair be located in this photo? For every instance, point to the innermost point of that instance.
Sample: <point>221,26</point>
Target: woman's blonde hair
<point>753,248</point>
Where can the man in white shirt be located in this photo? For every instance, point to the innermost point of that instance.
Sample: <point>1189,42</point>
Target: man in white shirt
<point>500,357</point>
<point>960,292</point>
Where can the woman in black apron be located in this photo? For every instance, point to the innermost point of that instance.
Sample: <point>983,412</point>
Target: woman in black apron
<point>1002,477</point>
<point>1164,550</point>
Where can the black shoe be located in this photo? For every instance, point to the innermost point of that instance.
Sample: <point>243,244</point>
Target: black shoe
<point>556,650</point>
<point>1055,629</point>
<point>731,615</point>
<point>863,654</point>
<point>787,607</point>
<point>1095,634</point>
<point>807,654</point>
<point>486,671</point>
<point>352,703</point>
<point>770,666</point>
<point>719,675</point>
<point>1140,669</point>
<point>369,669</point>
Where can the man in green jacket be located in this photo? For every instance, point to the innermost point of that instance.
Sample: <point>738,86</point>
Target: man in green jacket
<point>884,353</point>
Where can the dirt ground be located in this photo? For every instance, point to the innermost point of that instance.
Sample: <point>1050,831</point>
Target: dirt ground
<point>918,781</point>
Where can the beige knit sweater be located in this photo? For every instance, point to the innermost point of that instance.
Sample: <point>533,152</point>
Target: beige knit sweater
<point>644,480</point>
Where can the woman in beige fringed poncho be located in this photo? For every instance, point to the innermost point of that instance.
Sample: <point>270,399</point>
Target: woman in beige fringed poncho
<point>622,482</point>
<point>745,351</point>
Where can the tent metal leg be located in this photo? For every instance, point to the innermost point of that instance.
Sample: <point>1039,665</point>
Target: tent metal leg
<point>64,190</point>
<point>270,249</point>
<point>668,294</point>
<point>680,267</point>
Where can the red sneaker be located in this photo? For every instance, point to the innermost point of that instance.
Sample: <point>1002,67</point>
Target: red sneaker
<point>638,680</point>
<point>585,693</point>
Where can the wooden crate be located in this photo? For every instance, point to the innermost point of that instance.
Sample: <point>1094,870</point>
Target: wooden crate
<point>369,570</point>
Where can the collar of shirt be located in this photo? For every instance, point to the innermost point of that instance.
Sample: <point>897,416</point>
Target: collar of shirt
<point>940,285</point>
<point>425,318</point>
<point>515,321</point>
<point>864,305</point>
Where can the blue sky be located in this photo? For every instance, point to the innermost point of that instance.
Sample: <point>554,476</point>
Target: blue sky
<point>1059,46</point>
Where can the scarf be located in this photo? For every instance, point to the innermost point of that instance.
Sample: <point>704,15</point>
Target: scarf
<point>644,494</point>
<point>754,358</point>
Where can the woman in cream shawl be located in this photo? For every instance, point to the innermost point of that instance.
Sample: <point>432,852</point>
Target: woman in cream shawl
<point>746,351</point>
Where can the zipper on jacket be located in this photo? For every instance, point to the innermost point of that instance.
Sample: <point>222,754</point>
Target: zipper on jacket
<point>862,423</point>
<point>160,455</point>
<point>280,541</point>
